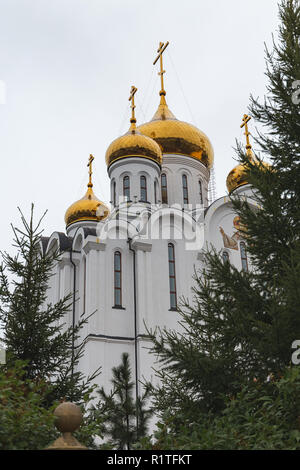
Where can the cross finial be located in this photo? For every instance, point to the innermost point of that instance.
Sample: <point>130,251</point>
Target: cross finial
<point>246,119</point>
<point>161,49</point>
<point>91,158</point>
<point>131,98</point>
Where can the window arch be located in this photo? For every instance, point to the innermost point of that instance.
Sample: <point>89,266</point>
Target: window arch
<point>244,256</point>
<point>143,187</point>
<point>126,187</point>
<point>164,189</point>
<point>185,189</point>
<point>117,279</point>
<point>200,192</point>
<point>225,257</point>
<point>78,241</point>
<point>172,276</point>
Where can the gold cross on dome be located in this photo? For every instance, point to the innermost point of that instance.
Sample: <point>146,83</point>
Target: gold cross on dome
<point>162,47</point>
<point>245,120</point>
<point>91,158</point>
<point>131,98</point>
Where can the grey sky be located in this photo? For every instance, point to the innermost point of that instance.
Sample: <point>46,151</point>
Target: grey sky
<point>68,66</point>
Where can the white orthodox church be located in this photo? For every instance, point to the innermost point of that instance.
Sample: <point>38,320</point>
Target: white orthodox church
<point>129,265</point>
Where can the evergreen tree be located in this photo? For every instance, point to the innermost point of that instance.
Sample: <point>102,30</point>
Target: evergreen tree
<point>241,325</point>
<point>25,423</point>
<point>124,419</point>
<point>35,331</point>
<point>262,416</point>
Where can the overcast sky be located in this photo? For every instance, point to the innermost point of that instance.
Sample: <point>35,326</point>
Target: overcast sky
<point>68,65</point>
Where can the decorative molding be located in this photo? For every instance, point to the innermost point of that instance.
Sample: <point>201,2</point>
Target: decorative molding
<point>186,161</point>
<point>121,339</point>
<point>93,243</point>
<point>135,159</point>
<point>141,245</point>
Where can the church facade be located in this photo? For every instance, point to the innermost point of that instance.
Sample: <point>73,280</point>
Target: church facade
<point>128,265</point>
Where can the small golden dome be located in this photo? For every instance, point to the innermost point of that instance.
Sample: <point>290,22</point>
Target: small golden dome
<point>133,144</point>
<point>177,137</point>
<point>89,207</point>
<point>238,177</point>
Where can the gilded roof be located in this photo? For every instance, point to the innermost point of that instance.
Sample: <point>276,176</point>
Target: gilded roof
<point>133,144</point>
<point>238,177</point>
<point>178,137</point>
<point>87,208</point>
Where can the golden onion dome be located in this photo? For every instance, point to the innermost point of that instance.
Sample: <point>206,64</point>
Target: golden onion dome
<point>133,143</point>
<point>238,176</point>
<point>89,207</point>
<point>177,137</point>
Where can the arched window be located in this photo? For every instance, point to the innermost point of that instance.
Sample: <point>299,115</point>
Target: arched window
<point>155,192</point>
<point>114,197</point>
<point>172,277</point>
<point>225,257</point>
<point>84,287</point>
<point>164,189</point>
<point>126,187</point>
<point>143,183</point>
<point>244,256</point>
<point>185,189</point>
<point>117,279</point>
<point>200,192</point>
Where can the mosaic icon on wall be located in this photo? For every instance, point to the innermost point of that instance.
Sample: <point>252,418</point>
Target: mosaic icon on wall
<point>232,242</point>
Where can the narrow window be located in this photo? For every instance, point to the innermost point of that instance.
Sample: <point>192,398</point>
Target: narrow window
<point>58,284</point>
<point>114,193</point>
<point>200,193</point>
<point>155,192</point>
<point>143,182</point>
<point>118,279</point>
<point>225,257</point>
<point>172,278</point>
<point>244,256</point>
<point>164,189</point>
<point>185,189</point>
<point>84,286</point>
<point>126,187</point>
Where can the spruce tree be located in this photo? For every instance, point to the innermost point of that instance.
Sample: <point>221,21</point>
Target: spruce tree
<point>124,419</point>
<point>34,330</point>
<point>240,326</point>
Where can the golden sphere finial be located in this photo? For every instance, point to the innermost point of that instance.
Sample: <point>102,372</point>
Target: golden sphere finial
<point>68,419</point>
